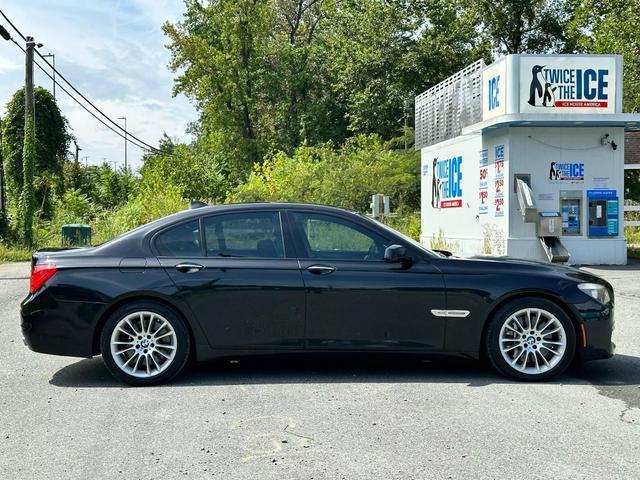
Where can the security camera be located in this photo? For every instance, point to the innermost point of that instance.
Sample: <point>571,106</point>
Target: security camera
<point>606,141</point>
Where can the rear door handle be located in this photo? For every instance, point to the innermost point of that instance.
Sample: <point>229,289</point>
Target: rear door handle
<point>321,269</point>
<point>188,267</point>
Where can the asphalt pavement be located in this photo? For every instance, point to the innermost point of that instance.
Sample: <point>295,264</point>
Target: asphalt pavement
<point>322,418</point>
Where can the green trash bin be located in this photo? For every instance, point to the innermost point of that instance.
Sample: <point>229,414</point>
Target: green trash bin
<point>76,235</point>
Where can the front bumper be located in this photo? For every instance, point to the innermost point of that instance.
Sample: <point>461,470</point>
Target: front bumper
<point>59,327</point>
<point>598,323</point>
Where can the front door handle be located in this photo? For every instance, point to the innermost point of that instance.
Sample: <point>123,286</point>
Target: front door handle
<point>188,267</point>
<point>321,269</point>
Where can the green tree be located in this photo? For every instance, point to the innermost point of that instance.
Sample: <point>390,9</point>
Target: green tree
<point>3,213</point>
<point>219,50</point>
<point>192,169</point>
<point>382,54</point>
<point>27,196</point>
<point>526,26</point>
<point>610,26</point>
<point>49,150</point>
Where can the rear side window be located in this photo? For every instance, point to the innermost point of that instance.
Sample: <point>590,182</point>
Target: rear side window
<point>180,241</point>
<point>248,234</point>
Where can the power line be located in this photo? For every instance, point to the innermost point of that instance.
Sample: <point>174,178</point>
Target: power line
<point>81,104</point>
<point>117,125</point>
<point>150,147</point>
<point>13,26</point>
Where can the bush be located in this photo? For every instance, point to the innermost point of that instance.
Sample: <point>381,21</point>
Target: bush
<point>14,254</point>
<point>408,224</point>
<point>153,199</point>
<point>344,177</point>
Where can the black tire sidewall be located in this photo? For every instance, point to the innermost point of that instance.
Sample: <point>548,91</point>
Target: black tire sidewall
<point>182,339</point>
<point>493,338</point>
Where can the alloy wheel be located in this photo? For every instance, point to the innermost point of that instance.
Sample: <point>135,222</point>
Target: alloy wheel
<point>532,341</point>
<point>143,344</point>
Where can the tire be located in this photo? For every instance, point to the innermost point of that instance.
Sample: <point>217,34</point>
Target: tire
<point>517,353</point>
<point>145,343</point>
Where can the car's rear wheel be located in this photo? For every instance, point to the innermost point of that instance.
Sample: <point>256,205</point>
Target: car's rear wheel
<point>145,343</point>
<point>530,339</point>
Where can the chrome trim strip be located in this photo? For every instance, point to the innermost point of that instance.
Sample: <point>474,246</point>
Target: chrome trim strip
<point>450,313</point>
<point>458,313</point>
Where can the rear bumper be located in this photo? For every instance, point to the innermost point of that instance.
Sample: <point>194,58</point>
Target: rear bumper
<point>598,324</point>
<point>59,327</point>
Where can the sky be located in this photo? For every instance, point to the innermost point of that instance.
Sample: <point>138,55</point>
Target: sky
<point>114,53</point>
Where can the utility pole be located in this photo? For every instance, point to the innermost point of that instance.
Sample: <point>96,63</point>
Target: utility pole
<point>86,161</point>
<point>28,151</point>
<point>28,77</point>
<point>78,150</point>
<point>125,141</point>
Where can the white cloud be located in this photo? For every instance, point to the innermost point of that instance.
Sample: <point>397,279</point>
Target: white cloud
<point>8,65</point>
<point>114,53</point>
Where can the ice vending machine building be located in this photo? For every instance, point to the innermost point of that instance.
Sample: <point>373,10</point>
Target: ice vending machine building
<point>525,158</point>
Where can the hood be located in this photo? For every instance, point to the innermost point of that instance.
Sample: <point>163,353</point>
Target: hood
<point>530,266</point>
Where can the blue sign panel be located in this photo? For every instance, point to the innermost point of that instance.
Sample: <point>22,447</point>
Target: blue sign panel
<point>603,213</point>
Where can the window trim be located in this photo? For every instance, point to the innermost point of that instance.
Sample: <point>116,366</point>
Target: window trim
<point>239,212</point>
<point>300,236</point>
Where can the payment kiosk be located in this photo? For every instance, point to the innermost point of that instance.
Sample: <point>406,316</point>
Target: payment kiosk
<point>603,213</point>
<point>571,211</point>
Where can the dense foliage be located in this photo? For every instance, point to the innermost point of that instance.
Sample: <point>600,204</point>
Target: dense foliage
<point>50,149</point>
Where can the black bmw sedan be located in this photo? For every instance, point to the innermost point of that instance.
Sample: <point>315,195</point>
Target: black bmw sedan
<point>264,278</point>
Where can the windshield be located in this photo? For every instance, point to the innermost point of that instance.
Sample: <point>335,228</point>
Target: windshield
<point>406,238</point>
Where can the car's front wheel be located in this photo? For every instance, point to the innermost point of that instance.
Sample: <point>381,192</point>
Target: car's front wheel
<point>530,339</point>
<point>145,343</point>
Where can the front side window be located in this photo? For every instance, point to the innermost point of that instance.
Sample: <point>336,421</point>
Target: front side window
<point>332,238</point>
<point>180,241</point>
<point>249,234</point>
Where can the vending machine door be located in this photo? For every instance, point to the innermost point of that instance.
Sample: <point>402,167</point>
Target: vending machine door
<point>603,213</point>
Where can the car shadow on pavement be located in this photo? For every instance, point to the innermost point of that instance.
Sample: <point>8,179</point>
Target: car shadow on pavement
<point>611,376</point>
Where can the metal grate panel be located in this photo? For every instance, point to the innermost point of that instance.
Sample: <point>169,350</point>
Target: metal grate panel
<point>446,108</point>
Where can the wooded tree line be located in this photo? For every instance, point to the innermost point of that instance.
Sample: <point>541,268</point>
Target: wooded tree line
<point>313,99</point>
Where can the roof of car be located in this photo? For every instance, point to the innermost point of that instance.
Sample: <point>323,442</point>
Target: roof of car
<point>197,211</point>
<point>266,205</point>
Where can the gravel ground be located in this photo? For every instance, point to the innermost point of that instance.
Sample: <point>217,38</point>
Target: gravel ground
<point>66,418</point>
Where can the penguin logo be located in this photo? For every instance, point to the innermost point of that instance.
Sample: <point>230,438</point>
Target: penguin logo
<point>536,89</point>
<point>554,174</point>
<point>549,98</point>
<point>435,186</point>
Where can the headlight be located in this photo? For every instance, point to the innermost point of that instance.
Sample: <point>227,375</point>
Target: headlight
<point>597,291</point>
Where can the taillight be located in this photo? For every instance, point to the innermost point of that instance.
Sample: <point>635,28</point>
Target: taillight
<point>40,273</point>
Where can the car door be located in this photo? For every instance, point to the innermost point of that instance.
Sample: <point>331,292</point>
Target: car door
<point>357,301</point>
<point>235,272</point>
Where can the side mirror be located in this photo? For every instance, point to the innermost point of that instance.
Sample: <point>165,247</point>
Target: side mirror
<point>396,254</point>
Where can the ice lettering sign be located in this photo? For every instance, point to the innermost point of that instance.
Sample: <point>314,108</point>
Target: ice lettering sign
<point>447,183</point>
<point>566,172</point>
<point>577,84</point>
<point>494,90</point>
